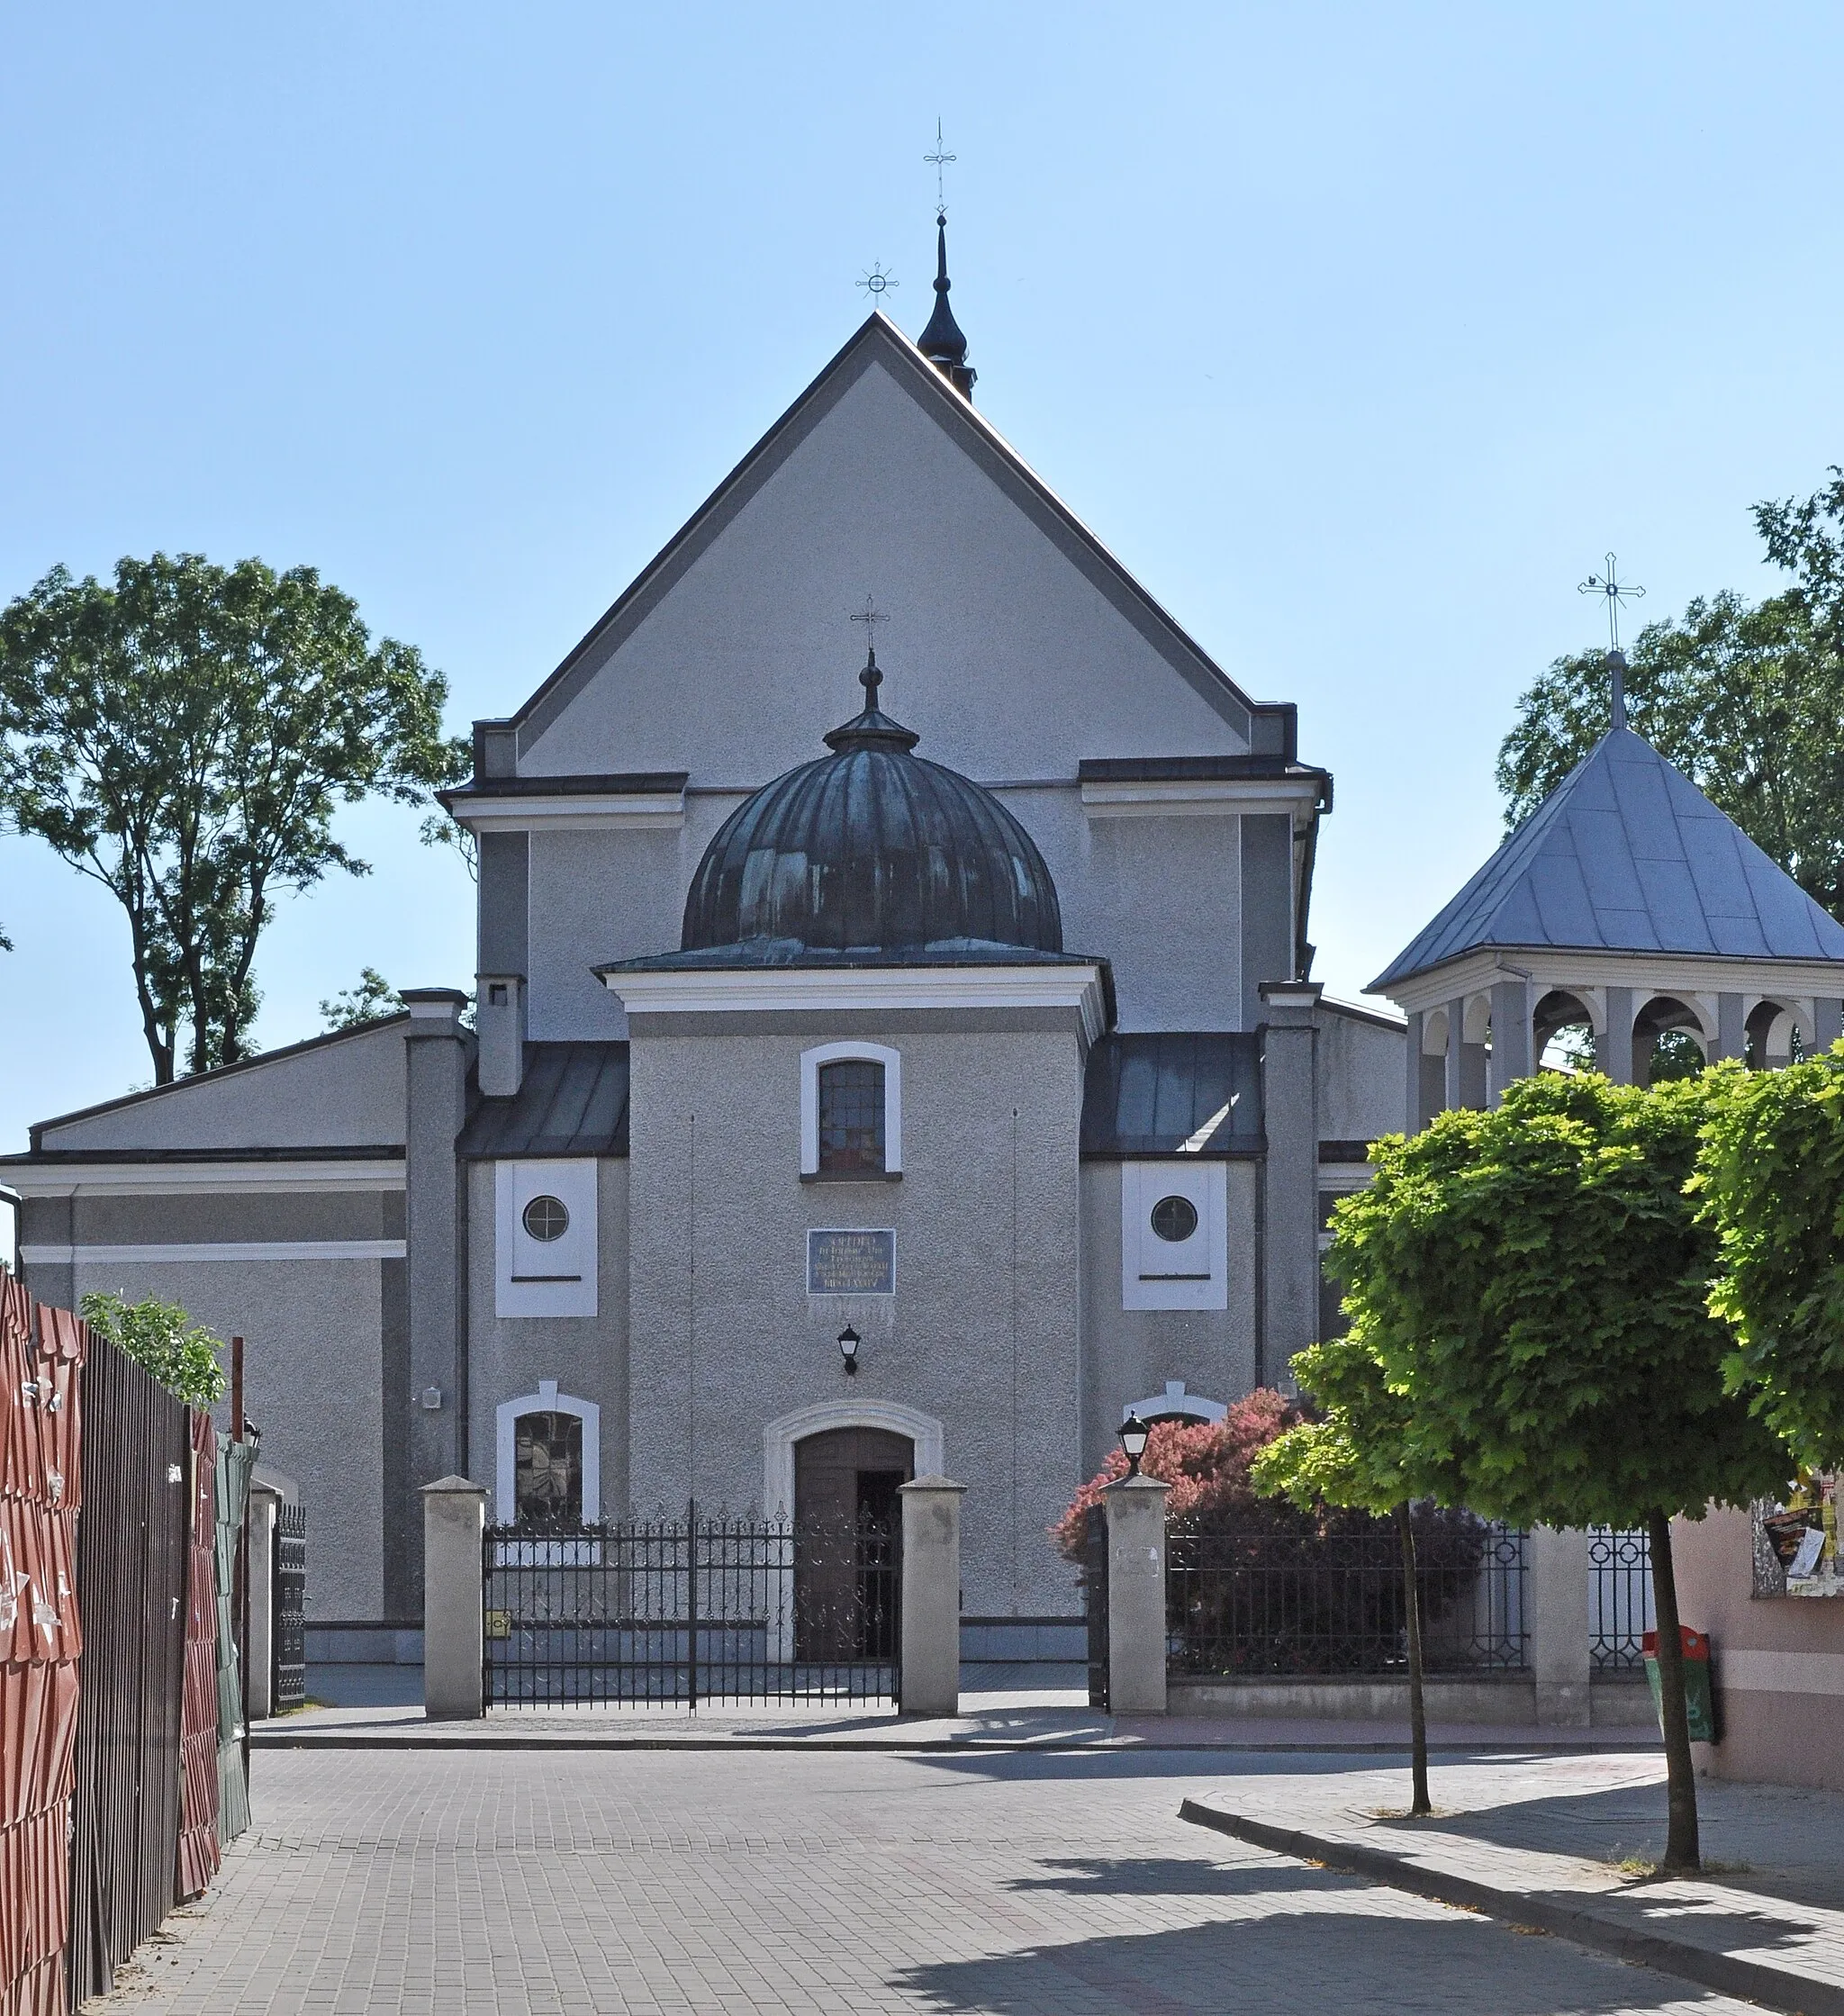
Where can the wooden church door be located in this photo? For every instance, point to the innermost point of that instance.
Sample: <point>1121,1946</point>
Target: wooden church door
<point>846,1513</point>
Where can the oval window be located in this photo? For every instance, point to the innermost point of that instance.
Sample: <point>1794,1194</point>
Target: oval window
<point>546,1218</point>
<point>1174,1219</point>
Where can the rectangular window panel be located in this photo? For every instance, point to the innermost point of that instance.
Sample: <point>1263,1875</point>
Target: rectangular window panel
<point>851,1117</point>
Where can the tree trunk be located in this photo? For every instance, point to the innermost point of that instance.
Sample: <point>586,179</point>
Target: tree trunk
<point>1419,1801</point>
<point>1682,1856</point>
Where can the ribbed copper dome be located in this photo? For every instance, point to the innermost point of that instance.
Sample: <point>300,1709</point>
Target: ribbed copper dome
<point>872,851</point>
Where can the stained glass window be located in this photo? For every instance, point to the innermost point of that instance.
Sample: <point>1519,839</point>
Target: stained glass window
<point>851,1117</point>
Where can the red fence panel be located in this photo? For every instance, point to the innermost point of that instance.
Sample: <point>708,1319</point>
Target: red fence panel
<point>41,1352</point>
<point>199,1852</point>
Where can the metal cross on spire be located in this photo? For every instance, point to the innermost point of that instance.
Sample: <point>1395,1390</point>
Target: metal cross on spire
<point>877,283</point>
<point>870,616</point>
<point>1615,591</point>
<point>940,160</point>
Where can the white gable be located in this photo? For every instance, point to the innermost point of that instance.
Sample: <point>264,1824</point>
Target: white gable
<point>1009,648</point>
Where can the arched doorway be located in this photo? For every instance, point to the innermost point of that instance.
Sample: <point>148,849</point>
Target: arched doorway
<point>847,1515</point>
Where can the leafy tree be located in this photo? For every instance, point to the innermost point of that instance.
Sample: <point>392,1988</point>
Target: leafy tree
<point>184,736</point>
<point>371,1000</point>
<point>164,1342</point>
<point>1748,701</point>
<point>1358,1453</point>
<point>1771,1185</point>
<point>1806,536</point>
<point>1533,1282</point>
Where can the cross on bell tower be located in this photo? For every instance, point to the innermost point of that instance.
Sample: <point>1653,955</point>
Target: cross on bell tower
<point>1614,591</point>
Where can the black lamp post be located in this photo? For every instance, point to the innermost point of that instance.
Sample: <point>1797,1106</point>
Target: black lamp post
<point>1134,1432</point>
<point>849,1341</point>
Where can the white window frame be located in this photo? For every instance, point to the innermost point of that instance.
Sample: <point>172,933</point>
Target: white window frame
<point>1206,1253</point>
<point>546,1400</point>
<point>573,1179</point>
<point>852,1053</point>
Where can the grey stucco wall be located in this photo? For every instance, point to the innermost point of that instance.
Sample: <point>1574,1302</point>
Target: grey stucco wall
<point>983,1334</point>
<point>587,1356</point>
<point>1129,1354</point>
<point>1363,1076</point>
<point>997,639</point>
<point>347,1093</point>
<point>1159,897</point>
<point>312,1331</point>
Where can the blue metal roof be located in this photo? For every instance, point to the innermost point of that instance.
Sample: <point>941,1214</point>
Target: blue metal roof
<point>1626,855</point>
<point>1195,1093</point>
<point>572,1100</point>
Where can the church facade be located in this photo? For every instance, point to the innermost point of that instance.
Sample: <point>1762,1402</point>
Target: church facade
<point>873,1072</point>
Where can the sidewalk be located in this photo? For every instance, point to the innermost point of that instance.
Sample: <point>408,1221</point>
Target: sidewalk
<point>1538,1842</point>
<point>1039,1719</point>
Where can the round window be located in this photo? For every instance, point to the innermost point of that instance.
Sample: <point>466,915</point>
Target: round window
<point>546,1218</point>
<point>1175,1219</point>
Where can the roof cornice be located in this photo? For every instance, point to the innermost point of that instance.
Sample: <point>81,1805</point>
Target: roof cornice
<point>1545,967</point>
<point>754,991</point>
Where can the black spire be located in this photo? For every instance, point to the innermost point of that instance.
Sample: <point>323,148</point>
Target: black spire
<point>942,342</point>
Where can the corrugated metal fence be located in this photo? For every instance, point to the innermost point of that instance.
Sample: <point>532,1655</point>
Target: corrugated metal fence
<point>40,1353</point>
<point>199,1853</point>
<point>131,1569</point>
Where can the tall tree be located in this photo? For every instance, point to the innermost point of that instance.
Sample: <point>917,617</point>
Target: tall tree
<point>184,736</point>
<point>1533,1283</point>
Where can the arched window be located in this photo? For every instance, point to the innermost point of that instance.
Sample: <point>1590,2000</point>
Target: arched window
<point>851,1111</point>
<point>851,1117</point>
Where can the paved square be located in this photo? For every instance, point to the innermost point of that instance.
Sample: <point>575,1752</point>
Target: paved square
<point>730,1881</point>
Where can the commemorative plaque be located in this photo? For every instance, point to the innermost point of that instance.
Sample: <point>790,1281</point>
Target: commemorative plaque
<point>851,1262</point>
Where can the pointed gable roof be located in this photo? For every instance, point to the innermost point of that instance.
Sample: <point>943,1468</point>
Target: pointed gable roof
<point>1626,855</point>
<point>1267,728</point>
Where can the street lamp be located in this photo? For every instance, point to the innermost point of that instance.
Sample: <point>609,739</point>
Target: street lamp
<point>849,1341</point>
<point>1134,1432</point>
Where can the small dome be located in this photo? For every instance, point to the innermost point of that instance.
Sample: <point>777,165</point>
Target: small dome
<point>872,853</point>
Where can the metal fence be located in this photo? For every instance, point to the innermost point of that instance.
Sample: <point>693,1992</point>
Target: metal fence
<point>130,1574</point>
<point>1620,1599</point>
<point>1094,1581</point>
<point>288,1632</point>
<point>1271,1597</point>
<point>653,1612</point>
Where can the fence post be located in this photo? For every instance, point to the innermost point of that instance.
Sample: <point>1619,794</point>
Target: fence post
<point>930,1644</point>
<point>260,1653</point>
<point>1559,1656</point>
<point>454,1642</point>
<point>1135,1596</point>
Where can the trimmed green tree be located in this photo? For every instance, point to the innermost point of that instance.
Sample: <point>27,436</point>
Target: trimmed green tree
<point>1770,1184</point>
<point>1533,1284</point>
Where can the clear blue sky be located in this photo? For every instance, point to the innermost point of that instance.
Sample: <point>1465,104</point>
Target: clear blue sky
<point>1359,333</point>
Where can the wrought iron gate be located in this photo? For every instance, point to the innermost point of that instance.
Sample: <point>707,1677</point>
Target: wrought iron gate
<point>1095,1602</point>
<point>655,1611</point>
<point>288,1634</point>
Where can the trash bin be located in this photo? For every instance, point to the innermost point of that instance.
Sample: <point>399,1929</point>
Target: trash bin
<point>1699,1695</point>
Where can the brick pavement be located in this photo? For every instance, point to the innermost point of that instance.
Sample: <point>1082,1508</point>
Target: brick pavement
<point>1013,1883</point>
<point>1544,1838</point>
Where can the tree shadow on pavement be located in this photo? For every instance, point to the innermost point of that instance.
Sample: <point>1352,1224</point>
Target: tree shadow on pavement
<point>1323,1959</point>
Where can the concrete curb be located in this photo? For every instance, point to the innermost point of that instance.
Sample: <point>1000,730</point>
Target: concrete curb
<point>563,1739</point>
<point>1753,1980</point>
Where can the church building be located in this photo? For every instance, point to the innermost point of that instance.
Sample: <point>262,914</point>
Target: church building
<point>893,1049</point>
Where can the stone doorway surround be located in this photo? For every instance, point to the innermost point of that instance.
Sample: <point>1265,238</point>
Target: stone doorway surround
<point>780,1435</point>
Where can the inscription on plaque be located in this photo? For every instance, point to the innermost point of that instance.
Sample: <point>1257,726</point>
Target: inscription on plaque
<point>851,1262</point>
